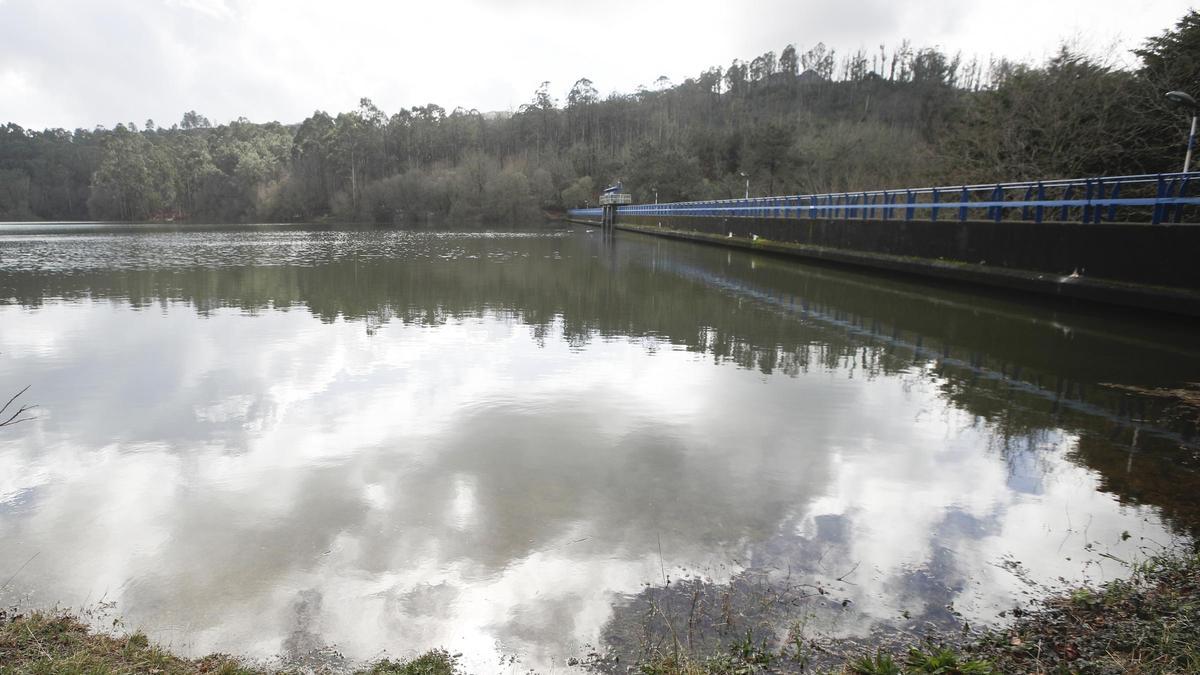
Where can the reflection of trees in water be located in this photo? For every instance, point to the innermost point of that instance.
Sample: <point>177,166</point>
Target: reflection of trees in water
<point>1019,369</point>
<point>1022,375</point>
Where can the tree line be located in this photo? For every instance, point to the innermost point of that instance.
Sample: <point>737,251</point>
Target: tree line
<point>797,122</point>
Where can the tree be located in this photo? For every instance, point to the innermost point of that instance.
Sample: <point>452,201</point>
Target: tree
<point>583,93</point>
<point>14,195</point>
<point>194,120</point>
<point>1172,60</point>
<point>507,198</point>
<point>771,151</point>
<point>134,179</point>
<point>1072,117</point>
<point>666,167</point>
<point>789,63</point>
<point>735,77</point>
<point>819,61</point>
<point>579,193</point>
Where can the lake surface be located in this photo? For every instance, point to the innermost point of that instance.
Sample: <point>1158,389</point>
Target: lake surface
<point>528,445</point>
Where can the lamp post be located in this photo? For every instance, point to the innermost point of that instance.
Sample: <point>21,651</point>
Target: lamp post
<point>1185,100</point>
<point>655,195</point>
<point>743,175</point>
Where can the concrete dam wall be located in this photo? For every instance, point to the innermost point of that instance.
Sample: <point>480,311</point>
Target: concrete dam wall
<point>1155,267</point>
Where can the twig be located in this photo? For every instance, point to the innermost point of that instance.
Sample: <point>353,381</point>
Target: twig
<point>843,577</point>
<point>14,574</point>
<point>13,418</point>
<point>661,566</point>
<point>38,643</point>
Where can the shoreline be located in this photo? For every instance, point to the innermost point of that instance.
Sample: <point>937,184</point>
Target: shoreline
<point>1148,623</point>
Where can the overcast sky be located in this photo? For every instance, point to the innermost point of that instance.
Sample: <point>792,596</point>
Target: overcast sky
<point>74,63</point>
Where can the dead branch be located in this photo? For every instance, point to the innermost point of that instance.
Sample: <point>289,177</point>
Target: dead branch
<point>15,417</point>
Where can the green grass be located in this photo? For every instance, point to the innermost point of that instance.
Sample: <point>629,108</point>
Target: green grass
<point>436,662</point>
<point>944,661</point>
<point>60,644</point>
<point>880,664</point>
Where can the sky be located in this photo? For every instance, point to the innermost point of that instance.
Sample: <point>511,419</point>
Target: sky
<point>82,63</point>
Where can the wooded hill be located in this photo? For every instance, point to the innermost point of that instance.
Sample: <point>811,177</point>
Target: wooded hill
<point>811,121</point>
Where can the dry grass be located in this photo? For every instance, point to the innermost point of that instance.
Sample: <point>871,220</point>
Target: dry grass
<point>1148,624</point>
<point>41,643</point>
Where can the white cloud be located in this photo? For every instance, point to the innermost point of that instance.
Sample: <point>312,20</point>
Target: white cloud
<point>218,9</point>
<point>83,63</point>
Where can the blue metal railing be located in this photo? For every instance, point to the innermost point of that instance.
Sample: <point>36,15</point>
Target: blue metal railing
<point>1154,198</point>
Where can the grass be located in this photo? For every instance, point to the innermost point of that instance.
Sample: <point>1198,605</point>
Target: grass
<point>1148,624</point>
<point>42,643</point>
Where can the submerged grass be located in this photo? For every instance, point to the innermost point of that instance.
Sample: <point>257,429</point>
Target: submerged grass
<point>43,643</point>
<point>1148,624</point>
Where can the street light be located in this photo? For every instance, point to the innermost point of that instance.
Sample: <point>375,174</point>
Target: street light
<point>743,175</point>
<point>1185,100</point>
<point>655,195</point>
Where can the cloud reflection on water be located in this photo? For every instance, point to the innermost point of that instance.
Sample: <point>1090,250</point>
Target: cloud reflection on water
<point>463,485</point>
<point>272,480</point>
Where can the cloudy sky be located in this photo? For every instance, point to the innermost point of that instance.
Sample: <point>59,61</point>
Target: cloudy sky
<point>86,62</point>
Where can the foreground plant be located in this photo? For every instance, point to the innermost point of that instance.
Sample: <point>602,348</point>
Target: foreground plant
<point>61,643</point>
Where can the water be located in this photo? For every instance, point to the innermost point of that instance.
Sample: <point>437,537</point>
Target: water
<point>528,445</point>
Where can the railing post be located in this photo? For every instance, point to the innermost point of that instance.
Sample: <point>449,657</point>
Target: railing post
<point>962,210</point>
<point>937,198</point>
<point>1041,197</point>
<point>1088,189</point>
<point>1183,183</point>
<point>1170,209</point>
<point>998,196</point>
<point>1161,191</point>
<point>1025,206</point>
<point>908,210</point>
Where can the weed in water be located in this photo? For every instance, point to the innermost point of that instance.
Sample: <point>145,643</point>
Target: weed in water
<point>944,661</point>
<point>881,664</point>
<point>436,662</point>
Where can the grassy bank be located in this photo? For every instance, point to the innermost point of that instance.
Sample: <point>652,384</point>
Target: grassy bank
<point>1149,624</point>
<point>40,643</point>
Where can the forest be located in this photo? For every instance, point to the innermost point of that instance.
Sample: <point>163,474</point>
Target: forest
<point>802,121</point>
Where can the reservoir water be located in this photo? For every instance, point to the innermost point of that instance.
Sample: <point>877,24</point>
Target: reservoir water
<point>530,445</point>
